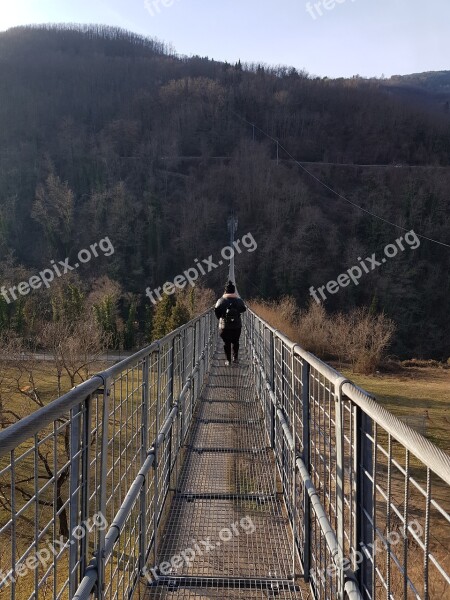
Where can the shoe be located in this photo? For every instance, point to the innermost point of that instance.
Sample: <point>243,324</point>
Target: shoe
<point>227,363</point>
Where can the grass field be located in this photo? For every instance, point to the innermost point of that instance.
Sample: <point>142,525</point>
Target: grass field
<point>420,396</point>
<point>17,386</point>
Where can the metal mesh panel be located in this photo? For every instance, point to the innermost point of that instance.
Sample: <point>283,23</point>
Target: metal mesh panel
<point>367,496</point>
<point>43,482</point>
<point>408,555</point>
<point>72,479</point>
<point>220,589</point>
<point>323,442</point>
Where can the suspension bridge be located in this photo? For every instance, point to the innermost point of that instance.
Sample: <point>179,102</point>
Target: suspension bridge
<point>172,476</point>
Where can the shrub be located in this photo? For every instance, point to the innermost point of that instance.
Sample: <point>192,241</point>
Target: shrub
<point>359,337</point>
<point>314,331</point>
<point>368,338</point>
<point>281,314</point>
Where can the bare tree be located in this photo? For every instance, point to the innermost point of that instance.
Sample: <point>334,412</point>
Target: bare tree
<point>83,348</point>
<point>53,210</point>
<point>75,347</point>
<point>19,381</point>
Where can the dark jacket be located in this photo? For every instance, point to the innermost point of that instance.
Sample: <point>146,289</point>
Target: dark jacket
<point>223,303</point>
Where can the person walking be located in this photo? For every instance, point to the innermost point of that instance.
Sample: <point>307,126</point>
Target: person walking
<point>228,310</point>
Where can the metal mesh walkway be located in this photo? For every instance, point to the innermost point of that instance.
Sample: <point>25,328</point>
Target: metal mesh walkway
<point>227,533</point>
<point>168,487</point>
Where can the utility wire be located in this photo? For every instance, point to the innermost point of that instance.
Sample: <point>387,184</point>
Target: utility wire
<point>333,191</point>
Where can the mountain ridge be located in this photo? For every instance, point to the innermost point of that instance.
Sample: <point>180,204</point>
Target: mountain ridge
<point>96,112</point>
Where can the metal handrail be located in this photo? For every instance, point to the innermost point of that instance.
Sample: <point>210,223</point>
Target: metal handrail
<point>427,452</point>
<point>335,443</point>
<point>113,412</point>
<point>19,432</point>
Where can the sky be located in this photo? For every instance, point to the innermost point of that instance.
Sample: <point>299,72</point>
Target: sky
<point>334,38</point>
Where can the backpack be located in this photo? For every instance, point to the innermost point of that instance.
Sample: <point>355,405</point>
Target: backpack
<point>231,317</point>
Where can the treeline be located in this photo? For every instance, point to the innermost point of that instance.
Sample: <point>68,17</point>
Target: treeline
<point>106,133</point>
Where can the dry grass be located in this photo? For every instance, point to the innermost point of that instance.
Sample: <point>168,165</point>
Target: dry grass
<point>281,315</point>
<point>16,387</point>
<point>18,390</point>
<point>419,396</point>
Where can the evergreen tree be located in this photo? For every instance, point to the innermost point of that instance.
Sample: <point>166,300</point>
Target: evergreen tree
<point>130,327</point>
<point>19,319</point>
<point>67,303</point>
<point>161,318</point>
<point>4,314</point>
<point>148,323</point>
<point>105,312</point>
<point>178,317</point>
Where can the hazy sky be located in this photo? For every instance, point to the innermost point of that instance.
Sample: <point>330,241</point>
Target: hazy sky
<point>366,37</point>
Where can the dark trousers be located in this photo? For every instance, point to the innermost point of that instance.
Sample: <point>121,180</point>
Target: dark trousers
<point>230,338</point>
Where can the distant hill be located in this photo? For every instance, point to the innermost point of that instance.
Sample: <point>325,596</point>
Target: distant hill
<point>95,123</point>
<point>437,82</point>
<point>431,89</point>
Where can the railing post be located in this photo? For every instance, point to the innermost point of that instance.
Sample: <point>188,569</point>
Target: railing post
<point>294,464</point>
<point>194,360</point>
<point>205,350</point>
<point>272,383</point>
<point>281,402</point>
<point>146,364</point>
<point>340,474</point>
<point>364,505</point>
<point>252,330</point>
<point>74,492</point>
<point>181,410</point>
<point>306,459</point>
<point>207,344</point>
<point>202,349</point>
<point>156,466</point>
<point>85,478</point>
<point>191,377</point>
<point>183,358</point>
<point>169,408</point>
<point>103,485</point>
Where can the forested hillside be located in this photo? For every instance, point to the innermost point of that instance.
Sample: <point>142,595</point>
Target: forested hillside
<point>104,133</point>
<point>437,82</point>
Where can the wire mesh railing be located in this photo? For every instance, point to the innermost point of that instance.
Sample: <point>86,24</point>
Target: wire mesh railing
<point>368,497</point>
<point>84,481</point>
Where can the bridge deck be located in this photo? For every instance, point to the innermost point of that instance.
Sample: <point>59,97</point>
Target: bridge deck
<point>226,515</point>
